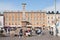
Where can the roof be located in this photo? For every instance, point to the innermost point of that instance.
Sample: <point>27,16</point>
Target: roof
<point>53,12</point>
<point>18,11</point>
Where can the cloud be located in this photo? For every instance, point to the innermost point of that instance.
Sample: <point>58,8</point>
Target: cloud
<point>52,8</point>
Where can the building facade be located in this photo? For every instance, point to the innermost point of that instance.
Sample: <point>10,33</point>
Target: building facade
<point>51,17</point>
<point>35,18</point>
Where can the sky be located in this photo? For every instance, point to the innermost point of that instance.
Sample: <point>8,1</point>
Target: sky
<point>14,5</point>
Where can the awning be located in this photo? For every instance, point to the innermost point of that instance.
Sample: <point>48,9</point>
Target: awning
<point>18,26</point>
<point>28,25</point>
<point>12,25</point>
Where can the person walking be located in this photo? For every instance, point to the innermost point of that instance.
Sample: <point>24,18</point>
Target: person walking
<point>38,31</point>
<point>20,33</point>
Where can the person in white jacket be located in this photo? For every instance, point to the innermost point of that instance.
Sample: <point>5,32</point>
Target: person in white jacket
<point>58,28</point>
<point>54,28</point>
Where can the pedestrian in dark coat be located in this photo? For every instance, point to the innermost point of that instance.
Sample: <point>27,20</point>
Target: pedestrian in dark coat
<point>20,33</point>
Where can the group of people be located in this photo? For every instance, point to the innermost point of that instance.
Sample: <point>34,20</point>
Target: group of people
<point>55,29</point>
<point>38,31</point>
<point>29,32</point>
<point>25,33</point>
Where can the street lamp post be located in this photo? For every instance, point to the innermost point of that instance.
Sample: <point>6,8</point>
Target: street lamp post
<point>55,8</point>
<point>55,16</point>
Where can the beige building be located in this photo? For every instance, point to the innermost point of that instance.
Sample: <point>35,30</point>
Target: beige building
<point>35,18</point>
<point>51,17</point>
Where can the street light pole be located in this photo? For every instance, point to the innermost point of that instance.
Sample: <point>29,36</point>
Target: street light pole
<point>55,15</point>
<point>55,8</point>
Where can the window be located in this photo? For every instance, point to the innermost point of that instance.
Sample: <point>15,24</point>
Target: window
<point>58,17</point>
<point>40,13</point>
<point>18,23</point>
<point>12,24</point>
<point>18,14</point>
<point>37,23</point>
<point>52,21</point>
<point>6,15</point>
<point>40,22</point>
<point>18,19</point>
<point>43,18</point>
<point>9,24</point>
<point>5,23</point>
<point>6,18</point>
<point>48,21</point>
<point>15,23</point>
<point>35,19</point>
<point>48,17</point>
<point>29,15</point>
<point>12,18</point>
<point>43,22</point>
<point>40,18</point>
<point>28,18</point>
<point>43,14</point>
<point>51,17</point>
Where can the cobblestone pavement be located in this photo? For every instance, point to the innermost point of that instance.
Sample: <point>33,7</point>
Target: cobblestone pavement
<point>45,36</point>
